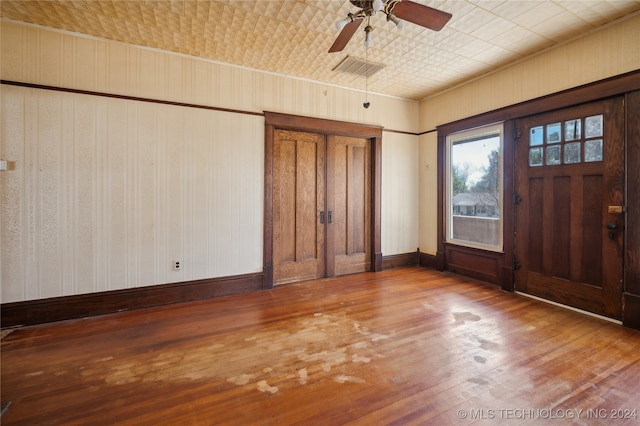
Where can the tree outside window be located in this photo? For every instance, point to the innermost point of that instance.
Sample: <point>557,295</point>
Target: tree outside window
<point>475,188</point>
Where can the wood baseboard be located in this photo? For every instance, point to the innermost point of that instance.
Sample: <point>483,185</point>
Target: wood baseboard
<point>631,310</point>
<point>41,311</point>
<point>427,260</point>
<point>409,259</point>
<point>400,260</point>
<point>53,309</point>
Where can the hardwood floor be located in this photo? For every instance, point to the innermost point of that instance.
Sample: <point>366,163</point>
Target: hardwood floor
<point>405,346</point>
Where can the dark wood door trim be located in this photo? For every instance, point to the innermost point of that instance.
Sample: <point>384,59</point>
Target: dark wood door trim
<point>631,296</point>
<point>273,121</point>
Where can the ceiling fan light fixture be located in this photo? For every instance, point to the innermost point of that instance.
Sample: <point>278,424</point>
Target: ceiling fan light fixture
<point>399,22</point>
<point>343,23</point>
<point>378,5</point>
<point>368,42</point>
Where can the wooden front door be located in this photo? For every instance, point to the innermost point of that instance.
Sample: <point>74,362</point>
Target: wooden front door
<point>569,182</point>
<point>321,199</point>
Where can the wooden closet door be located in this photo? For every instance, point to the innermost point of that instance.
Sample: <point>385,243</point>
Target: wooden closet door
<point>348,201</point>
<point>298,199</point>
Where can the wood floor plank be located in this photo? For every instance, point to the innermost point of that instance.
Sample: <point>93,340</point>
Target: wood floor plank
<point>405,346</point>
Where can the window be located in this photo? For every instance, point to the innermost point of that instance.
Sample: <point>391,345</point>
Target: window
<point>572,144</point>
<point>474,187</point>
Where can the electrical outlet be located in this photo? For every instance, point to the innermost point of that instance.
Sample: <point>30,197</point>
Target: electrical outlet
<point>177,265</point>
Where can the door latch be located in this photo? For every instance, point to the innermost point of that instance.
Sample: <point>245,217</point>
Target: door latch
<point>329,217</point>
<point>517,199</point>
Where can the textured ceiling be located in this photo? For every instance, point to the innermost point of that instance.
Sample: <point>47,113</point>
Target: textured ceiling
<point>292,37</point>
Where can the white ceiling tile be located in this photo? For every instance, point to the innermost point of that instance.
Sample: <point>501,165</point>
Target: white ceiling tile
<point>560,27</point>
<point>541,12</point>
<point>495,56</point>
<point>497,27</point>
<point>519,39</point>
<point>510,10</point>
<point>476,18</point>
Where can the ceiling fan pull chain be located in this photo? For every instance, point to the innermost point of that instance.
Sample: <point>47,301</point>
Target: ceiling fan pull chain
<point>366,81</point>
<point>368,30</point>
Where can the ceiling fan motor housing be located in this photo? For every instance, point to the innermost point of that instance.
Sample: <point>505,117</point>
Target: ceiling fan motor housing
<point>369,7</point>
<point>362,4</point>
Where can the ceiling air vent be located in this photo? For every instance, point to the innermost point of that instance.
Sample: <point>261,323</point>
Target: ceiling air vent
<point>356,66</point>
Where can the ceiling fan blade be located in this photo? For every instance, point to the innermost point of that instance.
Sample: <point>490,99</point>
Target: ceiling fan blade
<point>345,35</point>
<point>419,14</point>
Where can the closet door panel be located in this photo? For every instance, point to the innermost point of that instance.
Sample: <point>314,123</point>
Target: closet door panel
<point>348,198</point>
<point>299,198</point>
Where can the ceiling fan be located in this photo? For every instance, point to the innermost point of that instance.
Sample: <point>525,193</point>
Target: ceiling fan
<point>396,11</point>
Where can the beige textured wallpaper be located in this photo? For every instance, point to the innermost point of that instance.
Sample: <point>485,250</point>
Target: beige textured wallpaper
<point>106,193</point>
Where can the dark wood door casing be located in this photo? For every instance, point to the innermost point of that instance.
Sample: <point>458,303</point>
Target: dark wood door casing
<point>278,121</point>
<point>631,295</point>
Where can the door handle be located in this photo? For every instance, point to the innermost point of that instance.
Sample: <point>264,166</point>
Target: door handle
<point>329,217</point>
<point>612,227</point>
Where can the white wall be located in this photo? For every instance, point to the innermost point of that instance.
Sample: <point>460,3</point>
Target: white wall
<point>400,190</point>
<point>611,51</point>
<point>106,192</point>
<point>428,198</point>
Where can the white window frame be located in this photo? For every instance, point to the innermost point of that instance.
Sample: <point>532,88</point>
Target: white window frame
<point>492,130</point>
